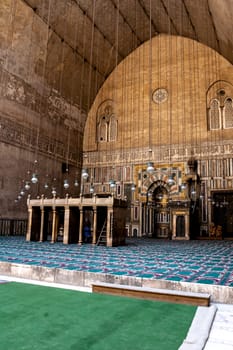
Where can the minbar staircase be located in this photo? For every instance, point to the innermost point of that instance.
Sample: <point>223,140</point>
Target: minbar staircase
<point>102,239</point>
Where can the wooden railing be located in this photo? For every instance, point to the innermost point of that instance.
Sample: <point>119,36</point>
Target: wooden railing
<point>13,227</point>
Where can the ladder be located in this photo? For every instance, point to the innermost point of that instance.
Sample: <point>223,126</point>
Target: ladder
<point>102,239</point>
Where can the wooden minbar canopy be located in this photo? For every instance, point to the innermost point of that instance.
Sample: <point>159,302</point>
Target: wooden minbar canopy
<point>66,219</point>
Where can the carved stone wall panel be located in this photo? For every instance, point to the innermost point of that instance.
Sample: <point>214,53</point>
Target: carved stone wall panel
<point>23,137</point>
<point>159,154</point>
<point>51,105</point>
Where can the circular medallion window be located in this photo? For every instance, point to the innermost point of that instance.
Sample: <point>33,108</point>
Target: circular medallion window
<point>160,95</point>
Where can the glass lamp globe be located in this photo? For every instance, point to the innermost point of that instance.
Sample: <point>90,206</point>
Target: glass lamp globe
<point>170,180</point>
<point>112,183</point>
<point>66,184</point>
<point>27,185</point>
<point>133,187</point>
<point>76,183</point>
<point>150,167</point>
<point>34,178</point>
<point>54,192</point>
<point>84,174</point>
<point>183,186</point>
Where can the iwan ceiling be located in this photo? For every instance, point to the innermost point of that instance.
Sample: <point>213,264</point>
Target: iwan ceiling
<point>101,33</point>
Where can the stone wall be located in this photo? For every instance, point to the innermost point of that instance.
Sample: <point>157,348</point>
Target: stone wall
<point>39,120</point>
<point>159,96</point>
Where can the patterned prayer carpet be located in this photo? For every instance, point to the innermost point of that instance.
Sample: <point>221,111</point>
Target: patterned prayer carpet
<point>208,262</point>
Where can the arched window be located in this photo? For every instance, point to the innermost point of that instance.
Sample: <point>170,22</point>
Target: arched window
<point>103,130</point>
<point>214,115</point>
<point>112,128</point>
<point>106,122</point>
<point>219,101</point>
<point>228,113</point>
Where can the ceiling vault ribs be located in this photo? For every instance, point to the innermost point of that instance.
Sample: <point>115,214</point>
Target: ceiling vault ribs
<point>168,15</point>
<point>128,24</point>
<point>75,50</point>
<point>119,27</point>
<point>190,20</point>
<point>71,47</point>
<point>212,21</point>
<point>148,17</point>
<point>99,30</point>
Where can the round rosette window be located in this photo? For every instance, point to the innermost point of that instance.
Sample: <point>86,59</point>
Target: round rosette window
<point>160,95</point>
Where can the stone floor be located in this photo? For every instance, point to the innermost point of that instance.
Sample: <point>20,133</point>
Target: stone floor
<point>221,333</point>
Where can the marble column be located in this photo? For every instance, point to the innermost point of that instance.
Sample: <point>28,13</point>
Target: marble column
<point>94,225</point>
<point>41,224</point>
<point>109,233</point>
<point>54,225</point>
<point>29,228</point>
<point>66,225</point>
<point>173,226</point>
<point>80,227</point>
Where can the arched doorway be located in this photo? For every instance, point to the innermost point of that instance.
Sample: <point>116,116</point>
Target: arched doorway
<point>180,226</point>
<point>222,212</point>
<point>158,212</point>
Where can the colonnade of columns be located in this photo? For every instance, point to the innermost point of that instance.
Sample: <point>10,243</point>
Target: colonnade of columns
<point>66,227</point>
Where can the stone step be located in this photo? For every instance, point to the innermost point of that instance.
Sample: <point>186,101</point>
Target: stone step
<point>174,296</point>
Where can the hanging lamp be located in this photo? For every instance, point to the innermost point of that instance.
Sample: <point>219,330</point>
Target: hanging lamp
<point>66,184</point>
<point>84,174</point>
<point>183,186</point>
<point>54,192</point>
<point>112,184</point>
<point>133,187</point>
<point>22,193</point>
<point>150,167</point>
<point>170,180</point>
<point>27,185</point>
<point>34,178</point>
<point>91,188</point>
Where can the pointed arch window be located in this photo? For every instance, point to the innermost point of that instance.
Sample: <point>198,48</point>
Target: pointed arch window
<point>228,113</point>
<point>219,102</point>
<point>215,115</point>
<point>103,130</point>
<point>106,123</point>
<point>112,128</point>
